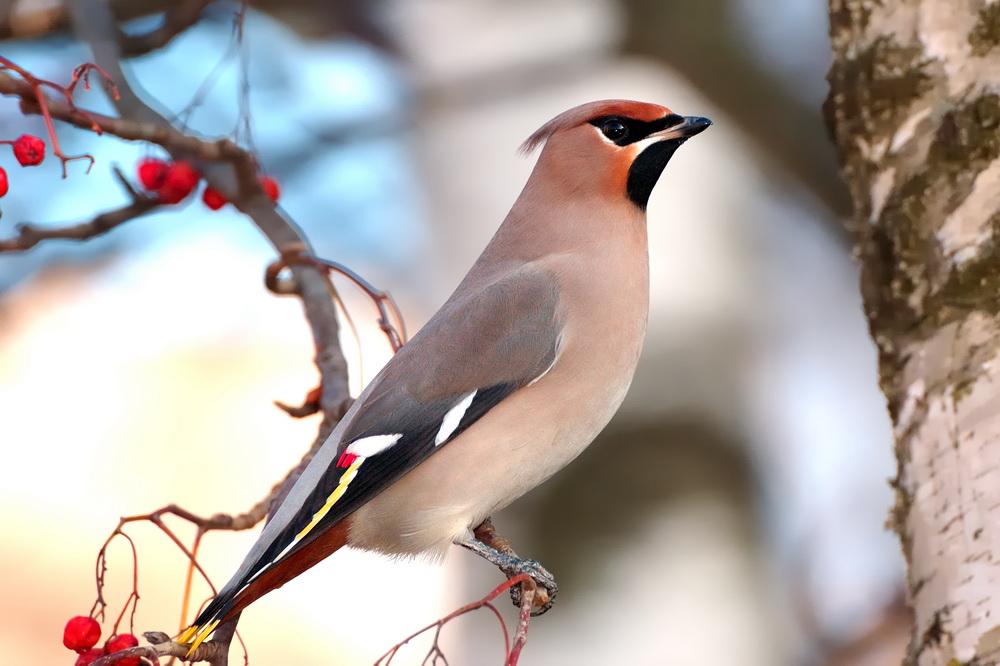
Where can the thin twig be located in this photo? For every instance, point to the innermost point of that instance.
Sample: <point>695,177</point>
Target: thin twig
<point>528,590</point>
<point>217,654</point>
<point>485,602</point>
<point>309,406</point>
<point>28,235</point>
<point>36,84</point>
<point>387,308</point>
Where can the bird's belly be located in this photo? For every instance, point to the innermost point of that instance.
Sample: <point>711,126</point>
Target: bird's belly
<point>490,465</point>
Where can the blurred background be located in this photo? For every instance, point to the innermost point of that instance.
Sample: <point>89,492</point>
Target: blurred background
<point>743,522</point>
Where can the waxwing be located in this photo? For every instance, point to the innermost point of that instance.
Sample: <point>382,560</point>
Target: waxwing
<point>508,382</point>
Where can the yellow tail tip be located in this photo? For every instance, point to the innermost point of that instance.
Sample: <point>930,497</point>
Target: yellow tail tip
<point>202,634</point>
<point>188,634</point>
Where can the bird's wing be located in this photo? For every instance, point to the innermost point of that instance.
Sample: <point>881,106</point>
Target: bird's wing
<point>483,345</point>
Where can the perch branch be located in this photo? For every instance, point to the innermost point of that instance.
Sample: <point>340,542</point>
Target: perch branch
<point>215,652</point>
<point>146,654</point>
<point>529,590</point>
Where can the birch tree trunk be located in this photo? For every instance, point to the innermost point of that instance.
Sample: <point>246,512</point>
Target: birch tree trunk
<point>915,113</point>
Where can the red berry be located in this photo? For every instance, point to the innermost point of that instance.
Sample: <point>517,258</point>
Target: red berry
<point>271,188</point>
<point>213,199</point>
<point>152,173</point>
<point>123,642</point>
<point>81,633</point>
<point>180,181</point>
<point>4,184</point>
<point>29,150</point>
<point>89,657</point>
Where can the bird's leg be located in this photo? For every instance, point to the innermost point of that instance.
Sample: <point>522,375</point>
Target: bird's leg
<point>489,545</point>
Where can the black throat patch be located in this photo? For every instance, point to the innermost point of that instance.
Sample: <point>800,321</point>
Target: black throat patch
<point>646,170</point>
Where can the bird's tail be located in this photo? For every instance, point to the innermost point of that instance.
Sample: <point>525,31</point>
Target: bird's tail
<point>217,610</point>
<point>259,579</point>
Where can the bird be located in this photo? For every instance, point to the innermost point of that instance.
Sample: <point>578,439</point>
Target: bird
<point>515,375</point>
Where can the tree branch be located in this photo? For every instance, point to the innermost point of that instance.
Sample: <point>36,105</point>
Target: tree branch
<point>226,167</point>
<point>177,19</point>
<point>29,235</point>
<point>215,652</point>
<point>148,655</point>
<point>232,171</point>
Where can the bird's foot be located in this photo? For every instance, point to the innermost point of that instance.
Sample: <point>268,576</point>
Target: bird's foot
<point>545,595</point>
<point>511,565</point>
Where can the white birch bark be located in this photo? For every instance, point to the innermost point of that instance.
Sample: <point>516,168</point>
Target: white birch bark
<point>914,108</point>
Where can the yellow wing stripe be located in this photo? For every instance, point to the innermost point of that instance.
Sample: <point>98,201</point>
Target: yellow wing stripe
<point>338,492</point>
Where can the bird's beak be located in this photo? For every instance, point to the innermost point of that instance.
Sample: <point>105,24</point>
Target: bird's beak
<point>685,129</point>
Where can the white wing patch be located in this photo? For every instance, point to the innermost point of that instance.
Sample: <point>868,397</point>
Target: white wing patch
<point>451,420</point>
<point>366,447</point>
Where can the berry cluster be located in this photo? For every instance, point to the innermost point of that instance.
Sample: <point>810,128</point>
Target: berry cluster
<point>28,151</point>
<point>81,635</point>
<point>172,182</point>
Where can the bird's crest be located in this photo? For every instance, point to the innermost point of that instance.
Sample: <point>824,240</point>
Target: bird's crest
<point>579,115</point>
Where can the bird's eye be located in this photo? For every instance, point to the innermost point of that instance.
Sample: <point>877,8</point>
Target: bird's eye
<point>614,130</point>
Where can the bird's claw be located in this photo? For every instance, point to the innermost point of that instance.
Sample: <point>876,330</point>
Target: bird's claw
<point>511,565</point>
<point>545,595</point>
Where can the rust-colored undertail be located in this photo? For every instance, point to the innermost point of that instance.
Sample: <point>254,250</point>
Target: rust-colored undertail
<point>328,543</point>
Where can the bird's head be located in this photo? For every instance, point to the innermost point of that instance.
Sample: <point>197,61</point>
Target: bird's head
<point>613,147</point>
